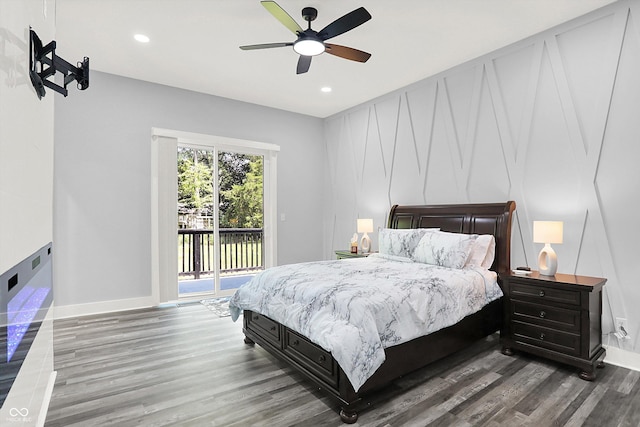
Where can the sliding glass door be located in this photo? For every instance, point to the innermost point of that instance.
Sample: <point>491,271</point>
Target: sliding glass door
<point>240,217</point>
<point>221,207</point>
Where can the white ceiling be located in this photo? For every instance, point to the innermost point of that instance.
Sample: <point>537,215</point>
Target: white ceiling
<point>195,44</point>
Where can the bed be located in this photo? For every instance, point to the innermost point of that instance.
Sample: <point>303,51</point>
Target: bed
<point>352,378</point>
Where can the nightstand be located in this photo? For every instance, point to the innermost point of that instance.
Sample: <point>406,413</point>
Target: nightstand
<point>341,254</point>
<point>556,317</point>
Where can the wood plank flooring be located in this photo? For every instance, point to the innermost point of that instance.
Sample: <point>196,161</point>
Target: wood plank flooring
<point>183,366</point>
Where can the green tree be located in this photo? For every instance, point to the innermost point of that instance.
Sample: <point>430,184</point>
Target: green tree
<point>244,209</point>
<point>232,170</point>
<point>195,189</point>
<point>240,186</point>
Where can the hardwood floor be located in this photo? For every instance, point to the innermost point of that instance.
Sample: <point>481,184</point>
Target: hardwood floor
<point>182,366</point>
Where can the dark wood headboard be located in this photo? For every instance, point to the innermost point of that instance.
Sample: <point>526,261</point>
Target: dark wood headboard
<point>489,218</point>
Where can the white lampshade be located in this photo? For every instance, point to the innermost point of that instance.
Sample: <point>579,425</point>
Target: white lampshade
<point>365,225</point>
<point>547,231</point>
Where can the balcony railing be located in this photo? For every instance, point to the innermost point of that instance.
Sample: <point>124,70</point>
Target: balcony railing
<point>240,251</point>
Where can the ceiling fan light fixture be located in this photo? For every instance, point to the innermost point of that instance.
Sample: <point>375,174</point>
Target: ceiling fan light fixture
<point>308,47</point>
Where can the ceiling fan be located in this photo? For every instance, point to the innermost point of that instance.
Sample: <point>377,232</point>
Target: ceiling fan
<point>310,42</point>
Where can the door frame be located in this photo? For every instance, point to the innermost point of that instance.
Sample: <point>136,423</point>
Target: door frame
<point>164,200</point>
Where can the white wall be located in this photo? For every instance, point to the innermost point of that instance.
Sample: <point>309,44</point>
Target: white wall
<point>550,122</point>
<point>102,188</point>
<point>26,189</point>
<point>26,135</point>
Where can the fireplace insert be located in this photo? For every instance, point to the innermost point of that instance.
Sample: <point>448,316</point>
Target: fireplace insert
<point>26,294</point>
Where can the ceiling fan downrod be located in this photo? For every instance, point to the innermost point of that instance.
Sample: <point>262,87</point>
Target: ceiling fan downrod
<point>309,14</point>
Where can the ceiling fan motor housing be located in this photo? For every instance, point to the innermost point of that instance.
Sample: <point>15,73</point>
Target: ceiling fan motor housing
<point>309,13</point>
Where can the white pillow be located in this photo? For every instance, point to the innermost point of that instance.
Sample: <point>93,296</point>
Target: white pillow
<point>400,242</point>
<point>444,249</point>
<point>482,252</point>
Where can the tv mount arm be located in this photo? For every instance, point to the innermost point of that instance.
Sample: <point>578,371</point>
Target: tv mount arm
<point>42,66</point>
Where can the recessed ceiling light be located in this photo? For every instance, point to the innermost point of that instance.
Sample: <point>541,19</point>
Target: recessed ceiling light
<point>326,89</point>
<point>141,38</point>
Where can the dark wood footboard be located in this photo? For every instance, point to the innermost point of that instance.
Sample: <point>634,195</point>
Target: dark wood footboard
<point>306,357</point>
<point>317,364</point>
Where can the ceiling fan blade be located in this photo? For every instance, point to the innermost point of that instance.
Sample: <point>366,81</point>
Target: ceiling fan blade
<point>348,22</point>
<point>265,46</point>
<point>282,16</point>
<point>304,62</point>
<point>347,52</point>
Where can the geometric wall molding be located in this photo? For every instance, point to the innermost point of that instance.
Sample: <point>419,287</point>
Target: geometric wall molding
<point>550,122</point>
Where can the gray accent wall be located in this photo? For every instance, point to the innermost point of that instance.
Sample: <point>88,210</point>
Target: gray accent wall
<point>102,185</point>
<point>550,122</point>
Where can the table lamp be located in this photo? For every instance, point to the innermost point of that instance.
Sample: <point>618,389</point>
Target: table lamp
<point>365,226</point>
<point>547,232</point>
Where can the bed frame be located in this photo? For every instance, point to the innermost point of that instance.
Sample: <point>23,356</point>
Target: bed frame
<point>318,365</point>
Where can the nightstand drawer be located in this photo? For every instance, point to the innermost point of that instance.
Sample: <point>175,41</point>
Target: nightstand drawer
<point>544,294</point>
<point>546,315</point>
<point>564,342</point>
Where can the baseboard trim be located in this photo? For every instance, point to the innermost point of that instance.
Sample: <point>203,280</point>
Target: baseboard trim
<point>623,358</point>
<point>75,310</point>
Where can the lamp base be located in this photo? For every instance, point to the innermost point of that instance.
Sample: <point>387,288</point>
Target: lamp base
<point>547,261</point>
<point>365,244</point>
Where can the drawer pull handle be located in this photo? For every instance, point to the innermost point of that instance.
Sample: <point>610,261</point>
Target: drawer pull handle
<point>541,335</point>
<point>543,314</point>
<point>322,358</point>
<point>273,328</point>
<point>296,342</point>
<point>256,317</point>
<point>541,293</point>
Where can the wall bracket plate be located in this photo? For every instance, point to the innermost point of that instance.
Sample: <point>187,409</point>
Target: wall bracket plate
<point>44,63</point>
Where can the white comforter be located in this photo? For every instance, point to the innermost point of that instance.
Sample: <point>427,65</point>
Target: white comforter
<point>354,308</point>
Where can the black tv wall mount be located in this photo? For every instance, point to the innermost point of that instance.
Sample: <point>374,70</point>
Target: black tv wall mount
<point>44,63</point>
